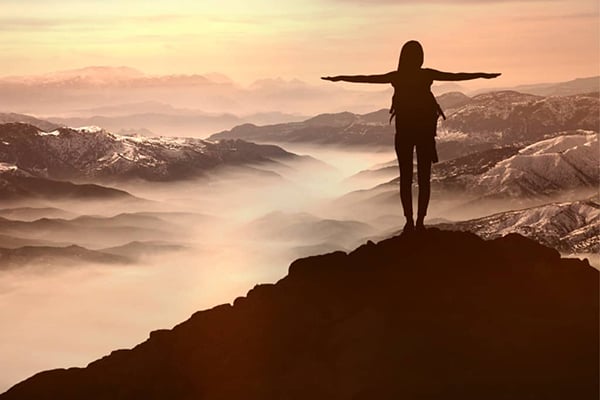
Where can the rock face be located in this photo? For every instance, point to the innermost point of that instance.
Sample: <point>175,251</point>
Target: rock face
<point>425,316</point>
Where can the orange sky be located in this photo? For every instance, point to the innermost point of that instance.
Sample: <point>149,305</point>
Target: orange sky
<point>527,40</point>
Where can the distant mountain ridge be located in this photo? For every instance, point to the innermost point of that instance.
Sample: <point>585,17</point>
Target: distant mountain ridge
<point>568,88</point>
<point>92,87</point>
<point>86,231</point>
<point>170,122</point>
<point>97,76</point>
<point>44,125</point>
<point>434,315</point>
<point>62,92</point>
<point>17,185</point>
<point>55,256</point>
<point>309,230</point>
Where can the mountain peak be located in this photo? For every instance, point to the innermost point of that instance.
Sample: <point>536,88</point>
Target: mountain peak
<point>437,314</point>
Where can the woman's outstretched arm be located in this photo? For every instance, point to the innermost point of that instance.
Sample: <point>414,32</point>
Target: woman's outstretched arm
<point>383,78</point>
<point>460,76</point>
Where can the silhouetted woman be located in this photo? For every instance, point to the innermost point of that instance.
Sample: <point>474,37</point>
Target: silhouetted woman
<point>416,112</point>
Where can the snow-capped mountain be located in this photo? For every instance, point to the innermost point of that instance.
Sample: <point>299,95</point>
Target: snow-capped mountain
<point>565,162</point>
<point>570,227</point>
<point>557,169</point>
<point>90,153</point>
<point>546,167</point>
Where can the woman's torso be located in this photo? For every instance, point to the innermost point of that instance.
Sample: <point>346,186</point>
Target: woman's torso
<point>415,107</point>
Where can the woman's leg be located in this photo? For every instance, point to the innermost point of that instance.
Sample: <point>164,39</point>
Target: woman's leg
<point>404,152</point>
<point>424,160</point>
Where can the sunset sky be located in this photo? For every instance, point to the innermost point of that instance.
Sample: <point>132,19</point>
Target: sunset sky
<point>528,41</point>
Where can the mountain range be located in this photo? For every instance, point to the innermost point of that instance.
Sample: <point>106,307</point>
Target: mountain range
<point>93,154</point>
<point>434,315</point>
<point>473,124</point>
<point>548,167</point>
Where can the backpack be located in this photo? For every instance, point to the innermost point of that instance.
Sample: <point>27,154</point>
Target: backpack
<point>395,101</point>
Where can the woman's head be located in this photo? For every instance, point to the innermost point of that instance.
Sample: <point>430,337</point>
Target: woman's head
<point>411,55</point>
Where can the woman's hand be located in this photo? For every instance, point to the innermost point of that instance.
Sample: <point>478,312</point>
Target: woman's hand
<point>492,75</point>
<point>331,78</point>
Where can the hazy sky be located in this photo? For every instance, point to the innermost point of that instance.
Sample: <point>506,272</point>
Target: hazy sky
<point>527,40</point>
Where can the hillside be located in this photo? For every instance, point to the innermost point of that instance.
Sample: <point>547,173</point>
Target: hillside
<point>434,315</point>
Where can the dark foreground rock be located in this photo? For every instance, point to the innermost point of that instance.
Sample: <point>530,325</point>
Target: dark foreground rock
<point>437,315</point>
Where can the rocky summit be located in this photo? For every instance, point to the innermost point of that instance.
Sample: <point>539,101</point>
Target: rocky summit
<point>432,315</point>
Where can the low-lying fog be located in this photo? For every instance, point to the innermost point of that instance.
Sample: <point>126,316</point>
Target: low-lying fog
<point>57,316</point>
<point>206,243</point>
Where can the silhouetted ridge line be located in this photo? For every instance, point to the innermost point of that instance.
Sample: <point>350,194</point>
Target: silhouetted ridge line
<point>437,314</point>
